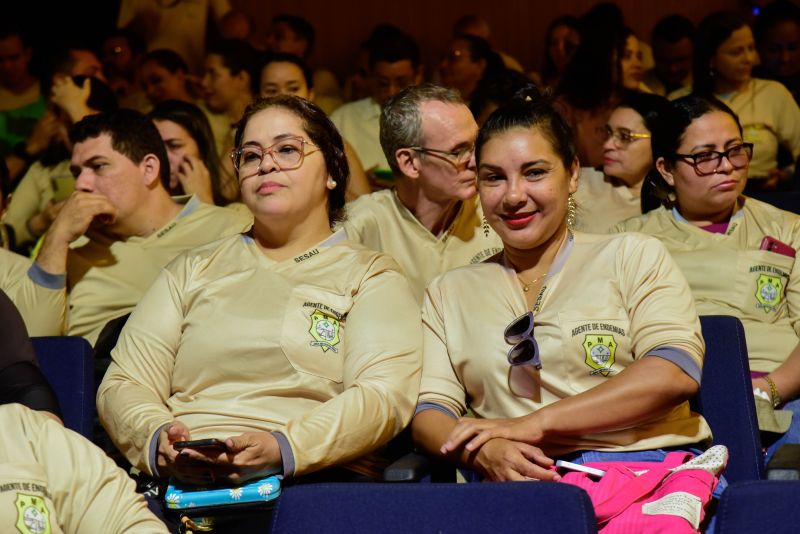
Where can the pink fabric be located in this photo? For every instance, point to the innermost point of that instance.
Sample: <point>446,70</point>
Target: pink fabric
<point>618,497</point>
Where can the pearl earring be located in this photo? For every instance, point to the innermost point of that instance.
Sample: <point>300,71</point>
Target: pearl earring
<point>331,184</point>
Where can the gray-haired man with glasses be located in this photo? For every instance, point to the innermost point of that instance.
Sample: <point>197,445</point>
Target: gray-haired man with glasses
<point>431,221</point>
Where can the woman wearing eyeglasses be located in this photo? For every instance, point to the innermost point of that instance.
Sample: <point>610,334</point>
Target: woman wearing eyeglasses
<point>565,345</point>
<point>613,195</point>
<point>737,253</point>
<point>298,349</point>
<point>724,57</point>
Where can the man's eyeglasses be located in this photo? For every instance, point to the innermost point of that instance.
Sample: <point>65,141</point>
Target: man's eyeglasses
<point>288,154</point>
<point>523,355</point>
<point>456,157</point>
<point>706,163</point>
<point>622,136</point>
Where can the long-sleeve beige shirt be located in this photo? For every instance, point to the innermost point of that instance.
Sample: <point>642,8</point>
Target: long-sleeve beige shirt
<point>54,480</point>
<point>40,297</point>
<point>106,277</point>
<point>323,348</point>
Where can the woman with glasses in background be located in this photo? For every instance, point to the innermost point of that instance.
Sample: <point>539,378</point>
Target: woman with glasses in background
<point>271,341</point>
<point>737,253</point>
<point>613,195</point>
<point>565,345</point>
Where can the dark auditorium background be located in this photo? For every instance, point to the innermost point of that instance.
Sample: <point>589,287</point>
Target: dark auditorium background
<point>517,25</point>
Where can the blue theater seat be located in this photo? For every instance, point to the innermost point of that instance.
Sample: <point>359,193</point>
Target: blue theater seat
<point>68,364</point>
<point>768,506</point>
<point>726,397</point>
<point>498,508</point>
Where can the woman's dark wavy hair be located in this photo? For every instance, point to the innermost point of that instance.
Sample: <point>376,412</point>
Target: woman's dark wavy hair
<point>528,110</point>
<point>549,69</point>
<point>712,31</point>
<point>322,133</point>
<point>593,77</point>
<point>194,121</point>
<point>667,136</point>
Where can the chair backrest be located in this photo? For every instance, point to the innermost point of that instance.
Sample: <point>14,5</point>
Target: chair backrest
<point>538,508</point>
<point>726,397</point>
<point>760,506</point>
<point>68,364</point>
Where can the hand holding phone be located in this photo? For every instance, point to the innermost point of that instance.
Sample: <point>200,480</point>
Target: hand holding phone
<point>212,443</point>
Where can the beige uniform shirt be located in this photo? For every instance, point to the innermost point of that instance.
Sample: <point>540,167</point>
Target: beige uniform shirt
<point>603,202</point>
<point>54,481</point>
<point>610,301</point>
<point>39,297</point>
<point>107,277</point>
<point>360,124</point>
<point>177,25</point>
<point>729,275</point>
<point>324,348</point>
<point>381,222</point>
<point>32,195</point>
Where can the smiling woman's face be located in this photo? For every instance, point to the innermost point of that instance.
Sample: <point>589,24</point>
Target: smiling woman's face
<point>524,187</point>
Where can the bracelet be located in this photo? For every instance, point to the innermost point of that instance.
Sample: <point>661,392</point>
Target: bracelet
<point>773,391</point>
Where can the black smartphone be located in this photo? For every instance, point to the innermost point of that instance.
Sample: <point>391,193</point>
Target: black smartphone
<point>212,443</point>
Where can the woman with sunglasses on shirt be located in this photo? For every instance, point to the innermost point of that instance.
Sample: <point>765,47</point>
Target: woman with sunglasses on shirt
<point>738,254</point>
<point>270,341</point>
<point>565,345</point>
<point>613,195</point>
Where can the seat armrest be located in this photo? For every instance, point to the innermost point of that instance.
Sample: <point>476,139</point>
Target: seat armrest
<point>409,468</point>
<point>785,464</point>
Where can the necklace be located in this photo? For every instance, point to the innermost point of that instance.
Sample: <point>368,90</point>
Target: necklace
<point>526,286</point>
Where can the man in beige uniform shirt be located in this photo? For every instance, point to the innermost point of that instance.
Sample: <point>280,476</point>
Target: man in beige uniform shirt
<point>52,480</point>
<point>132,226</point>
<point>431,221</point>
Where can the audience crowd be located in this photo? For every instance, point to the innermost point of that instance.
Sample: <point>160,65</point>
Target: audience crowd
<point>301,269</point>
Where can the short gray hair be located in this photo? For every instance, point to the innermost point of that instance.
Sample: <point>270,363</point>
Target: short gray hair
<point>401,118</point>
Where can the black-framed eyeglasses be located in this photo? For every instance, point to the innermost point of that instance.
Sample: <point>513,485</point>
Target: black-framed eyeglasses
<point>525,350</point>
<point>708,162</point>
<point>622,136</point>
<point>288,154</point>
<point>455,157</point>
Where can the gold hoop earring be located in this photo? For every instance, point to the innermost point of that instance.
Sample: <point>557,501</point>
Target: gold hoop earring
<point>572,212</point>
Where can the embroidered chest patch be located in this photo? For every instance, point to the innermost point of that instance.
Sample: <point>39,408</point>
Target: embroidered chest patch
<point>33,517</point>
<point>600,350</point>
<point>325,331</point>
<point>769,292</point>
